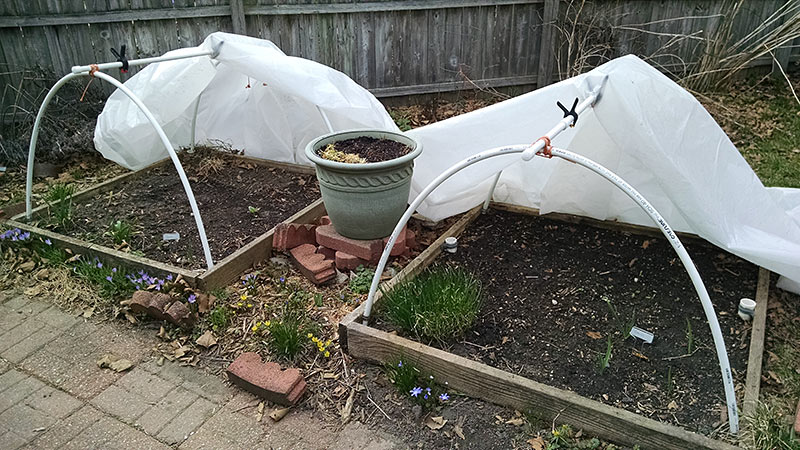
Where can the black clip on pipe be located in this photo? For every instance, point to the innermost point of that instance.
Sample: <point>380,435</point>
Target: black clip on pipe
<point>570,112</point>
<point>121,58</point>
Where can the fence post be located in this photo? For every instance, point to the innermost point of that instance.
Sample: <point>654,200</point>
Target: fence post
<point>547,54</point>
<point>237,17</point>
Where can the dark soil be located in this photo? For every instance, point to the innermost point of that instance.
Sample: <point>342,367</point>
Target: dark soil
<point>545,314</point>
<point>225,188</point>
<point>373,150</point>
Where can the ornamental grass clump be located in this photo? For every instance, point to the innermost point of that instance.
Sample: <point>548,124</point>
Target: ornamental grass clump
<point>439,304</point>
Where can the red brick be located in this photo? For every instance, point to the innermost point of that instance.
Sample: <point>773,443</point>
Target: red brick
<point>349,262</point>
<point>797,419</point>
<point>411,239</point>
<point>267,380</point>
<point>329,253</point>
<point>369,250</point>
<point>179,314</point>
<point>291,235</point>
<point>399,245</point>
<point>140,301</point>
<point>313,265</point>
<point>158,306</point>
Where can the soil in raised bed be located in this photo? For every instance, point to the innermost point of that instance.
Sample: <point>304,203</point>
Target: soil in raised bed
<point>545,314</point>
<point>372,149</point>
<point>225,187</point>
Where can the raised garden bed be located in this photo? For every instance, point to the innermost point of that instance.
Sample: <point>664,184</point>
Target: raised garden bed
<point>545,322</point>
<point>241,200</point>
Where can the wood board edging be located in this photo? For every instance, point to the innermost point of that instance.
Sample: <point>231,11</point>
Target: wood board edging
<point>757,334</point>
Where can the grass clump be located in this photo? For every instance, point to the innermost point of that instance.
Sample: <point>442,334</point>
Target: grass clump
<point>59,204</point>
<point>439,304</point>
<point>288,336</point>
<point>219,318</point>
<point>413,383</point>
<point>361,282</point>
<point>331,154</point>
<point>767,428</point>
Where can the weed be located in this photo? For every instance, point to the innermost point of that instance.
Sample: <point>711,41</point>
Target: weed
<point>120,232</point>
<point>253,210</point>
<point>362,280</point>
<point>439,304</point>
<point>219,293</point>
<point>401,120</point>
<point>768,429</point>
<point>604,358</point>
<point>59,204</point>
<point>689,338</point>
<point>219,318</point>
<point>289,335</point>
<point>318,300</point>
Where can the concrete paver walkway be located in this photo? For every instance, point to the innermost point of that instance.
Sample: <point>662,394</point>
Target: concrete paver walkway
<point>53,395</point>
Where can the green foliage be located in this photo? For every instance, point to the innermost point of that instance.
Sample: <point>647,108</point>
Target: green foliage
<point>689,338</point>
<point>604,358</point>
<point>288,335</point>
<point>59,204</point>
<point>401,120</point>
<point>120,232</point>
<point>111,282</point>
<point>564,437</point>
<point>413,383</point>
<point>253,210</point>
<point>318,300</point>
<point>220,317</point>
<point>361,282</point>
<point>439,304</point>
<point>623,325</point>
<point>221,293</point>
<point>670,382</point>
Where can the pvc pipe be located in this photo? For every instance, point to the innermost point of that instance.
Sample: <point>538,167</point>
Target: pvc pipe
<point>194,121</point>
<point>174,156</point>
<point>491,191</point>
<point>325,118</point>
<point>35,138</point>
<point>181,174</point>
<point>699,286</point>
<point>145,61</point>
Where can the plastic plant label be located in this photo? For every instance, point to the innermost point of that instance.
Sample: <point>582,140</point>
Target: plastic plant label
<point>642,334</point>
<point>171,236</point>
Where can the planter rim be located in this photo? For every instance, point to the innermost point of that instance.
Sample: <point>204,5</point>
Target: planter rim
<point>416,149</point>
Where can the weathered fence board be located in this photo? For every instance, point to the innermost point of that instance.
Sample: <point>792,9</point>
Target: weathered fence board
<point>394,47</point>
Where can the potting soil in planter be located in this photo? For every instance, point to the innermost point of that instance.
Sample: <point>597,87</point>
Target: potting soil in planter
<point>238,201</point>
<point>371,149</point>
<point>553,292</point>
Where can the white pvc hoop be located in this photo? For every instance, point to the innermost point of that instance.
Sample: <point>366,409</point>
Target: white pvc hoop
<point>173,155</point>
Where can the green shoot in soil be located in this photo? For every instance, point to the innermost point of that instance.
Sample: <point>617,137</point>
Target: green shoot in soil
<point>361,282</point>
<point>59,203</point>
<point>624,326</point>
<point>670,382</point>
<point>219,317</point>
<point>689,338</point>
<point>120,232</point>
<point>253,210</point>
<point>604,358</point>
<point>439,304</point>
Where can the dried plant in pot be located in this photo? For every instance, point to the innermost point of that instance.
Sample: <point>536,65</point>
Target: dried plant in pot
<point>365,178</point>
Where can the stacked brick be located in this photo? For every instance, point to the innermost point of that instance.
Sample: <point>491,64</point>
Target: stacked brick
<point>162,307</point>
<point>318,250</point>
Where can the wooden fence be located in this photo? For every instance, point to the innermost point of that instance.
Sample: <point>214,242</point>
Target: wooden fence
<point>395,47</point>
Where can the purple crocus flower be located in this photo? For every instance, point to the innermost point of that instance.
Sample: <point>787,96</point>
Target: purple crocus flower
<point>109,278</point>
<point>48,242</point>
<point>99,265</point>
<point>169,277</point>
<point>192,298</point>
<point>444,397</point>
<point>400,364</point>
<point>114,270</point>
<point>416,391</point>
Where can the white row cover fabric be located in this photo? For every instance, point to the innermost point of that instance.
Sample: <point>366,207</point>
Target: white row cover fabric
<point>252,97</point>
<point>648,130</point>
